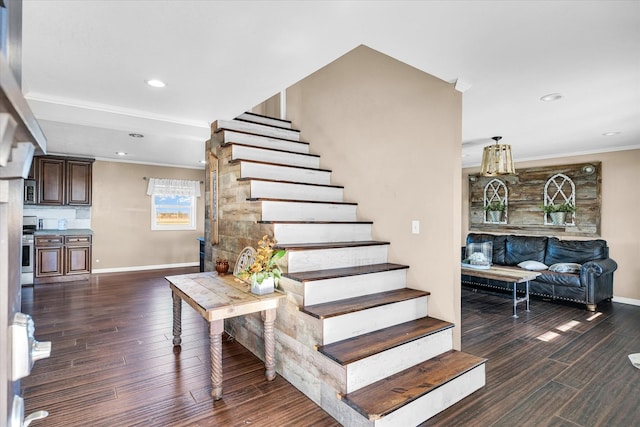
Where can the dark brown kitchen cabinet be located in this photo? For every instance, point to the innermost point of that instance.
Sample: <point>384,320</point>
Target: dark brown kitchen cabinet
<point>62,258</point>
<point>77,255</point>
<point>49,257</point>
<point>78,182</point>
<point>63,181</point>
<point>50,180</point>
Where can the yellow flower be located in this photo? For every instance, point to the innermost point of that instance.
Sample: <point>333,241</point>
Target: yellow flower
<point>264,264</point>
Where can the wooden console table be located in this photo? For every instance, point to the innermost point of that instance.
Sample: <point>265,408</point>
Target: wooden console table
<point>506,274</point>
<point>217,298</point>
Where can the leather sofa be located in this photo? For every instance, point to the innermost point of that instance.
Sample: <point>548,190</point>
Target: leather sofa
<point>590,285</point>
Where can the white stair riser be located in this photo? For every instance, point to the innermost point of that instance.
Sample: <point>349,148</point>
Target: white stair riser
<point>264,141</point>
<point>266,155</point>
<point>435,401</point>
<point>265,120</point>
<point>321,233</point>
<point>259,129</point>
<point>293,211</point>
<point>284,173</point>
<point>262,134</point>
<point>350,325</point>
<point>321,291</point>
<point>371,369</point>
<point>283,190</point>
<point>323,259</point>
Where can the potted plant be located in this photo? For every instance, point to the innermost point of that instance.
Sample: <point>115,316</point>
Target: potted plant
<point>264,274</point>
<point>558,213</point>
<point>494,210</point>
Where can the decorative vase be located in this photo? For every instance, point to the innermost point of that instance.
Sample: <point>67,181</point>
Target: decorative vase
<point>222,266</point>
<point>266,287</point>
<point>558,218</point>
<point>494,216</point>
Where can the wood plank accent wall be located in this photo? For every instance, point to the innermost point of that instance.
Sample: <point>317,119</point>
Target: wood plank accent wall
<point>526,197</point>
<point>212,196</point>
<point>235,223</point>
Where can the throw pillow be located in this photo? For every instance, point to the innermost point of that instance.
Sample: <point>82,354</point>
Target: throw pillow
<point>565,267</point>
<point>532,265</point>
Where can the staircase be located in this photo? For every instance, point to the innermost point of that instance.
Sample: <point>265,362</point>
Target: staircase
<point>351,336</point>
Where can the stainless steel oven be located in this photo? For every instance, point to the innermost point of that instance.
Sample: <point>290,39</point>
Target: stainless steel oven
<point>28,228</point>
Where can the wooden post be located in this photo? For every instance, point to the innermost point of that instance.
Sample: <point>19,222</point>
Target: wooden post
<point>177,319</point>
<point>269,318</point>
<point>216,327</point>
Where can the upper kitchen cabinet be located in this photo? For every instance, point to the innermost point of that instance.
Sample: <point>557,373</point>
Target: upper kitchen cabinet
<point>63,181</point>
<point>50,180</point>
<point>78,175</point>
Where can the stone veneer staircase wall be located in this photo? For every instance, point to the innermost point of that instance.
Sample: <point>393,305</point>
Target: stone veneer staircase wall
<point>352,335</point>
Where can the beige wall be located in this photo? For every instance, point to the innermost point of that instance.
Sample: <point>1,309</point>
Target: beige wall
<point>620,211</point>
<point>391,135</point>
<point>121,219</point>
<point>269,108</point>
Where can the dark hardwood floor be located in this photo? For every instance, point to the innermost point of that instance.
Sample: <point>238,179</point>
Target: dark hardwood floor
<point>558,365</point>
<point>113,363</point>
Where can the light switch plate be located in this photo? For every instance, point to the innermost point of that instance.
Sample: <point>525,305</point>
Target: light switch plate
<point>415,226</point>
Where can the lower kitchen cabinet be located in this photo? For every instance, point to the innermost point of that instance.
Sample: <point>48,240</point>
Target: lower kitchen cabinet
<point>49,251</point>
<point>77,255</point>
<point>49,261</point>
<point>62,258</point>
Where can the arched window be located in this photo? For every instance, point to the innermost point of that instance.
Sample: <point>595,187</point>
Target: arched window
<point>560,190</point>
<point>495,196</point>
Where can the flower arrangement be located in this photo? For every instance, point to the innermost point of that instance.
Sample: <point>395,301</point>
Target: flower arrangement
<point>264,264</point>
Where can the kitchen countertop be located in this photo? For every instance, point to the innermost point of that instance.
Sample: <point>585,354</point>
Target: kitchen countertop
<point>68,232</point>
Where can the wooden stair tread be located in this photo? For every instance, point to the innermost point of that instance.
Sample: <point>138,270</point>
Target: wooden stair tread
<point>351,305</point>
<point>385,396</point>
<point>228,144</point>
<point>266,117</point>
<point>329,245</point>
<point>306,276</point>
<point>266,124</point>
<point>269,199</point>
<point>234,161</point>
<point>362,346</point>
<point>222,129</point>
<point>248,178</point>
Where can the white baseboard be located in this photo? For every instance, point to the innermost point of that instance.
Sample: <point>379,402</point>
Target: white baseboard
<point>143,267</point>
<point>624,300</point>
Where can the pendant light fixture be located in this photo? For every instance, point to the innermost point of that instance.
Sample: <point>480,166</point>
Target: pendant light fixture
<point>497,159</point>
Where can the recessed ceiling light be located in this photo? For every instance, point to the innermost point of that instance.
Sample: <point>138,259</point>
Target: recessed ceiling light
<point>155,83</point>
<point>121,153</point>
<point>551,97</point>
<point>136,135</point>
<point>611,133</point>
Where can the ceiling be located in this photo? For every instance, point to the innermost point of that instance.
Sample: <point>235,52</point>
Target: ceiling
<point>85,64</point>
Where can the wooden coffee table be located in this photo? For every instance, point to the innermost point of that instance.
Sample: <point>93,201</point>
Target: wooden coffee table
<point>506,274</point>
<point>217,298</point>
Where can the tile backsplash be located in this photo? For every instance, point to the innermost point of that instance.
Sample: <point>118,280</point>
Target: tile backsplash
<point>77,217</point>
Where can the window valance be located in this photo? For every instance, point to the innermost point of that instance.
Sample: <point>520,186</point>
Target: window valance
<point>173,187</point>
